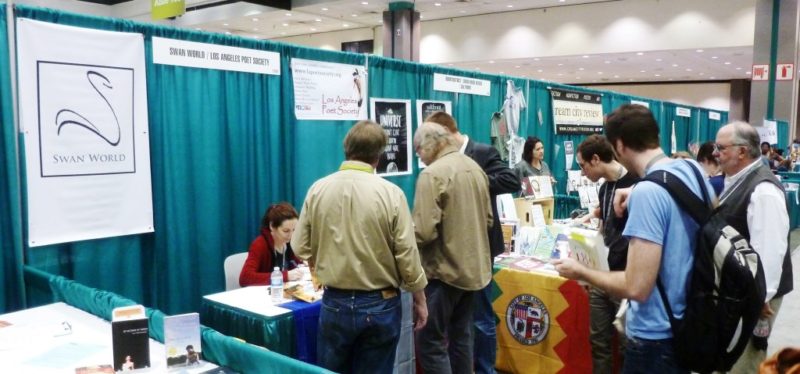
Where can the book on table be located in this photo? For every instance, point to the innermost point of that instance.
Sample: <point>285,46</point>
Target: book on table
<point>130,337</point>
<point>182,340</point>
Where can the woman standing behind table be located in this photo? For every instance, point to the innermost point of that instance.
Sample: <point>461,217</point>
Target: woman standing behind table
<point>532,163</point>
<point>272,248</point>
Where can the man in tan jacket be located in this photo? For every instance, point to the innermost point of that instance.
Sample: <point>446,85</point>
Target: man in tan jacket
<point>451,214</point>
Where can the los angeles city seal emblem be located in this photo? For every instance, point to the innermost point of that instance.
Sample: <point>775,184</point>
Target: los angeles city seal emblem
<point>527,319</point>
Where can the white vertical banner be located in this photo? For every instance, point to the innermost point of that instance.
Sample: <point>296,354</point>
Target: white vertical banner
<point>83,114</point>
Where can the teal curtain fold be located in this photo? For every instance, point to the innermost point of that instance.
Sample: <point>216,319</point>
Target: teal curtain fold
<point>12,294</point>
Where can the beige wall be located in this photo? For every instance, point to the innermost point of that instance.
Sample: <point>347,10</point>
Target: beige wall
<point>705,95</point>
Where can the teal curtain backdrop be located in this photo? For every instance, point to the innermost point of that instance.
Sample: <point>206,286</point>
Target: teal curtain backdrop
<point>224,145</point>
<point>11,260</point>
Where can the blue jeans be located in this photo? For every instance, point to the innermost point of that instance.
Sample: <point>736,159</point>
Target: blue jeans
<point>485,350</point>
<point>650,357</point>
<point>445,343</point>
<point>358,331</point>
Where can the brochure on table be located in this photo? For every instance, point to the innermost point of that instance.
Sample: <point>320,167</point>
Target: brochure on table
<point>130,338</point>
<point>533,247</point>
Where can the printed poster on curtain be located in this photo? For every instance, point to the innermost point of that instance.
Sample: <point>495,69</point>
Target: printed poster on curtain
<point>329,91</point>
<point>427,107</point>
<point>577,112</point>
<point>83,114</point>
<point>395,118</point>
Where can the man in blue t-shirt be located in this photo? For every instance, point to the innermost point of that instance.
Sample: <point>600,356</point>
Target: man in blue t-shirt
<point>661,244</point>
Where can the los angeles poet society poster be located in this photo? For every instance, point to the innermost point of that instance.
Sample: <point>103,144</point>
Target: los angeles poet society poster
<point>395,118</point>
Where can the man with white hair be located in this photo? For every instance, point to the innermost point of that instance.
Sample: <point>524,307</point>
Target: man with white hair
<point>754,203</point>
<point>452,214</point>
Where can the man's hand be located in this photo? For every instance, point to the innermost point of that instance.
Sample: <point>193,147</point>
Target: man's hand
<point>621,201</point>
<point>420,310</point>
<point>766,311</point>
<point>569,268</point>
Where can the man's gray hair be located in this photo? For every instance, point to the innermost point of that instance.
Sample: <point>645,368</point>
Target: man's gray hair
<point>746,135</point>
<point>432,137</point>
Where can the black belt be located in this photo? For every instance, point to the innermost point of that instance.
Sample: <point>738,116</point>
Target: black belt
<point>361,292</point>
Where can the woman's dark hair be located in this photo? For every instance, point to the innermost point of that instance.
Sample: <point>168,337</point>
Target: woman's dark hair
<point>527,150</point>
<point>277,213</point>
<point>706,153</point>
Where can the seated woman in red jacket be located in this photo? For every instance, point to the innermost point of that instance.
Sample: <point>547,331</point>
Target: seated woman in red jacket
<point>272,248</point>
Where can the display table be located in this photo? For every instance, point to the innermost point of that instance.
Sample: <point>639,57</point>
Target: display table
<point>289,328</point>
<point>58,338</point>
<point>543,320</point>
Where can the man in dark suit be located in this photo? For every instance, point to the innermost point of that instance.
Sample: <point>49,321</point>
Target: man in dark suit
<point>501,180</point>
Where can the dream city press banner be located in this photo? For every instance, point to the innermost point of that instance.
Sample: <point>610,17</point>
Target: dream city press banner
<point>329,91</point>
<point>543,323</point>
<point>83,114</point>
<point>395,118</point>
<point>577,112</point>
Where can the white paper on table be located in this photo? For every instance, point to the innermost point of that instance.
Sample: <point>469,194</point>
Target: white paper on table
<point>537,216</point>
<point>542,186</point>
<point>506,208</point>
<point>526,241</point>
<point>254,299</point>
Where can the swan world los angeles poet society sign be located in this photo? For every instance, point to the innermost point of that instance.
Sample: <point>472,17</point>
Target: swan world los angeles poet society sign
<point>83,115</point>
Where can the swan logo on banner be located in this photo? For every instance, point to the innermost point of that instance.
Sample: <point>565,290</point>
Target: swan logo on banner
<point>85,119</point>
<point>527,319</point>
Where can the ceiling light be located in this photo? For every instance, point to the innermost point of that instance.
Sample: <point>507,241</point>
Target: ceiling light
<point>509,6</point>
<point>657,75</point>
<point>560,74</point>
<point>462,11</point>
<point>364,3</point>
<point>643,71</point>
<point>639,53</point>
<point>600,72</point>
<point>540,70</point>
<point>224,24</point>
<point>560,64</point>
<point>449,64</point>
<point>607,61</point>
<point>616,76</point>
<point>420,17</point>
<point>502,72</point>
<point>516,67</point>
<point>354,15</point>
<point>688,69</point>
<point>739,68</point>
<point>535,59</point>
<point>702,74</point>
<point>699,51</point>
<point>561,1</point>
<point>727,62</point>
<point>288,14</point>
<point>285,24</point>
<point>674,65</point>
<point>491,61</point>
<point>227,32</point>
<point>585,56</point>
<point>437,4</point>
<point>714,57</point>
<point>712,78</point>
<point>283,33</point>
<point>581,69</point>
<point>318,20</point>
<point>345,25</point>
<point>659,59</point>
<point>324,9</point>
<point>313,29</point>
<point>255,19</point>
<point>577,77</point>
<point>747,72</point>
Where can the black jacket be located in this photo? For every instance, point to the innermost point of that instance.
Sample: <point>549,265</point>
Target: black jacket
<point>501,180</point>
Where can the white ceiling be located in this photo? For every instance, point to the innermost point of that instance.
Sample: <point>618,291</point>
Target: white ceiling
<point>321,16</point>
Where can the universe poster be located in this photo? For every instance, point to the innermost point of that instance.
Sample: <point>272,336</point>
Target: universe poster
<point>395,118</point>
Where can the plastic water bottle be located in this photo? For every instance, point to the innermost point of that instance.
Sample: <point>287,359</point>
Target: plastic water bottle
<point>761,334</point>
<point>276,282</point>
<point>561,249</point>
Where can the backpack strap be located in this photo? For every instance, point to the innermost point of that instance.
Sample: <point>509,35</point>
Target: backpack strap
<point>699,209</point>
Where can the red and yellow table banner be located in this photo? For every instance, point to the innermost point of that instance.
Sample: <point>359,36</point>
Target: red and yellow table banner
<point>543,323</point>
